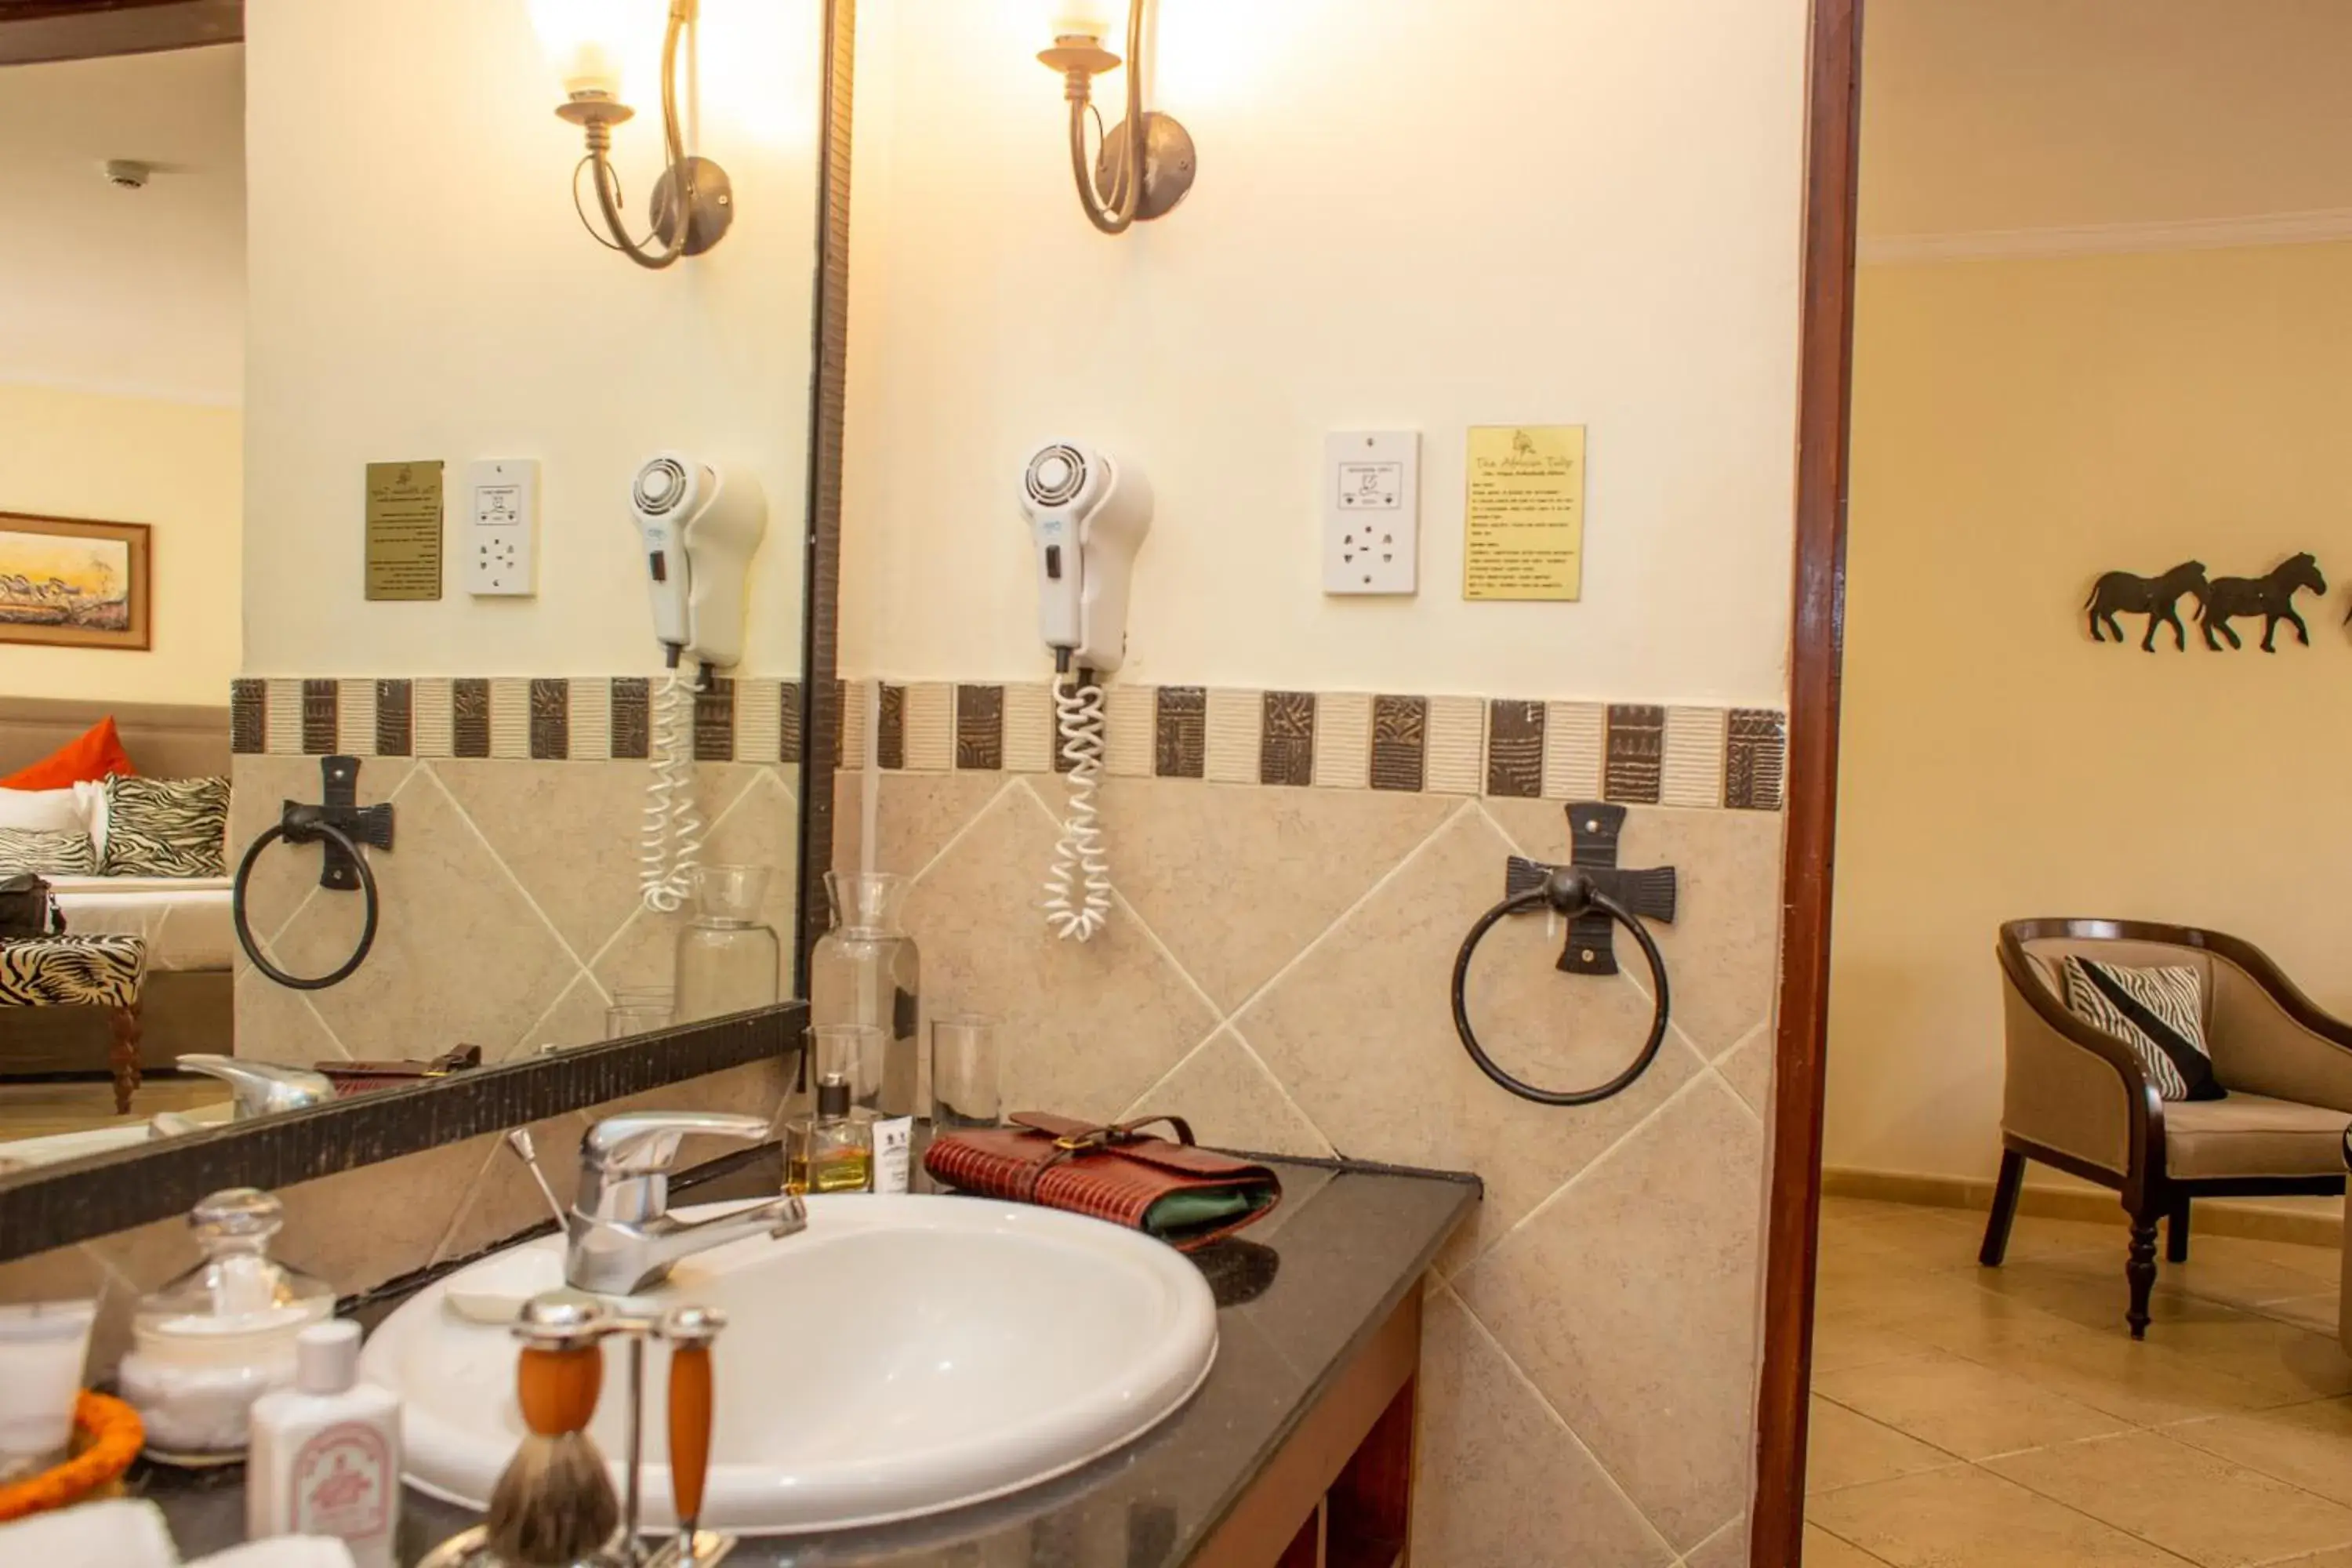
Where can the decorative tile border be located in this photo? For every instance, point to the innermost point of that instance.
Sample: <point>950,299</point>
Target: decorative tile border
<point>543,718</point>
<point>1639,753</point>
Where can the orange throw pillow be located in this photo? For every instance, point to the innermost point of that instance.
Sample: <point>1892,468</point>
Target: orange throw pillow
<point>96,753</point>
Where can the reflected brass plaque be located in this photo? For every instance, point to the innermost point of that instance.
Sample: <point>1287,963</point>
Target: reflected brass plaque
<point>403,530</point>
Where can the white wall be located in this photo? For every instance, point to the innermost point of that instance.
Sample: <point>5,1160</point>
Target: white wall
<point>137,293</point>
<point>173,465</point>
<point>1408,215</point>
<point>421,288</point>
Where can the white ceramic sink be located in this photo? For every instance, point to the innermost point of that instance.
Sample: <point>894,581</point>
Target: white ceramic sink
<point>901,1356</point>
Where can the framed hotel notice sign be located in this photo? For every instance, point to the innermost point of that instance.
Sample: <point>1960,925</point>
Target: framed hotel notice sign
<point>1523,525</point>
<point>74,583</point>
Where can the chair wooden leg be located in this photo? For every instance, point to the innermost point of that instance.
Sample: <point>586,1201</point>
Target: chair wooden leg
<point>124,1057</point>
<point>2176,1232</point>
<point>2139,1269</point>
<point>2004,1209</point>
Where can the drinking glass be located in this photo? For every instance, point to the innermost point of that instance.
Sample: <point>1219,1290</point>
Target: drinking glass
<point>853,1050</point>
<point>963,1072</point>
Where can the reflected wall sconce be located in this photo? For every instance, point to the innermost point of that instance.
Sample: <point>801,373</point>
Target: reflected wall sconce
<point>1113,198</point>
<point>693,202</point>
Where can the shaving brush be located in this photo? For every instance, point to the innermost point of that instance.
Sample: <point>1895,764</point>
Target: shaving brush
<point>554,1505</point>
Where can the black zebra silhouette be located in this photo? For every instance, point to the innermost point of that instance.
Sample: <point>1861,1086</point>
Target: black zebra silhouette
<point>2270,595</point>
<point>2158,598</point>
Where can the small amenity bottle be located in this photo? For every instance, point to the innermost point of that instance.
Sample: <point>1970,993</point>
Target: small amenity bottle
<point>326,1452</point>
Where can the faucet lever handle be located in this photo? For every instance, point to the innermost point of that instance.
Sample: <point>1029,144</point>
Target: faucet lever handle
<point>645,1142</point>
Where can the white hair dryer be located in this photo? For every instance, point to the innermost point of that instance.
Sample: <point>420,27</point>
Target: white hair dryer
<point>1087,517</point>
<point>697,527</point>
<point>700,526</point>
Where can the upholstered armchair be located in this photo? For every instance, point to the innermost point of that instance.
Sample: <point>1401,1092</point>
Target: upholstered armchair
<point>2079,1099</point>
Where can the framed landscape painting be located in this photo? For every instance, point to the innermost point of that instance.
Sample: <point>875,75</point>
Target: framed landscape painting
<point>70,582</point>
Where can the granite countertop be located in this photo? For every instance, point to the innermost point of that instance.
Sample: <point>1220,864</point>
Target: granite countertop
<point>1297,1295</point>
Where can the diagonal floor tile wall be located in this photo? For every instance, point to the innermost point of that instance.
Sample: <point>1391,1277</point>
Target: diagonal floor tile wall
<point>1276,971</point>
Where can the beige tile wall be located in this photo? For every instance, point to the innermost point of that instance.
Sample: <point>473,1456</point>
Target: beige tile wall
<point>1276,971</point>
<point>509,901</point>
<point>363,1228</point>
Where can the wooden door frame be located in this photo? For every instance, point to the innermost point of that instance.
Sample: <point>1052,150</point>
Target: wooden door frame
<point>1816,648</point>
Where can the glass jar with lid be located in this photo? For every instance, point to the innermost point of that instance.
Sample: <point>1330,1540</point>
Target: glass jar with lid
<point>213,1340</point>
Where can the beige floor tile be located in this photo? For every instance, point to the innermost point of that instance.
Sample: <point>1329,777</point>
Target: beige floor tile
<point>1844,1448</point>
<point>2291,1364</point>
<point>2145,1381</point>
<point>1969,1518</point>
<point>2334,1557</point>
<point>1841,1341</point>
<point>2188,1501</point>
<point>2309,1445</point>
<point>1962,1407</point>
<point>1823,1550</point>
<point>2321,1314</point>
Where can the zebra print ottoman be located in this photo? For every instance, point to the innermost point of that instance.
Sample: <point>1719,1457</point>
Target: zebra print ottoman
<point>82,971</point>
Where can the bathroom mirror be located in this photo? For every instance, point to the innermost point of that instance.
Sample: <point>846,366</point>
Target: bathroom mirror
<point>347,475</point>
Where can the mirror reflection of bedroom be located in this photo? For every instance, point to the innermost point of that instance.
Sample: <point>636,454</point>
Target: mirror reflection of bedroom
<point>121,335</point>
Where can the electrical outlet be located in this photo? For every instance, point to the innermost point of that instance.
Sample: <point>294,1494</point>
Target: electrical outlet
<point>501,542</point>
<point>1371,511</point>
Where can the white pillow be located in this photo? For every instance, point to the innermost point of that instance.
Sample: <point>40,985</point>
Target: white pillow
<point>92,798</point>
<point>46,810</point>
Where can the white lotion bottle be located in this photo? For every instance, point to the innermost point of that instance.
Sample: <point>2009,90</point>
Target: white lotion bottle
<point>325,1458</point>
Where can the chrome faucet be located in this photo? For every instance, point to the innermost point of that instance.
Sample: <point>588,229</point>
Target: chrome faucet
<point>262,1089</point>
<point>620,1237</point>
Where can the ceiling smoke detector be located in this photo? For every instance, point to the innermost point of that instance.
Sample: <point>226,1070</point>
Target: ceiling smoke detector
<point>127,174</point>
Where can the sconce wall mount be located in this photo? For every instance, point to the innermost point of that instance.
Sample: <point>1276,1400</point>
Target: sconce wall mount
<point>693,202</point>
<point>1155,142</point>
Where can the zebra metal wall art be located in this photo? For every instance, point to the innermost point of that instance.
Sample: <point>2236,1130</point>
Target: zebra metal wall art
<point>2158,598</point>
<point>2219,600</point>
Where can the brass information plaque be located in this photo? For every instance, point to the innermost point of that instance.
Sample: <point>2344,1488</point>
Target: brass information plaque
<point>1524,527</point>
<point>403,530</point>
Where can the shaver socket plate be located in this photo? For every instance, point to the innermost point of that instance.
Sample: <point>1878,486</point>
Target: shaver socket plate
<point>499,545</point>
<point>1371,511</point>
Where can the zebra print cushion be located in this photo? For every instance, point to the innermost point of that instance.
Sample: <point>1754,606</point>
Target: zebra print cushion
<point>2158,1012</point>
<point>71,971</point>
<point>46,854</point>
<point>165,827</point>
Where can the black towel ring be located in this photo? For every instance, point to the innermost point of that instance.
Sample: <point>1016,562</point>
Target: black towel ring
<point>296,831</point>
<point>1570,892</point>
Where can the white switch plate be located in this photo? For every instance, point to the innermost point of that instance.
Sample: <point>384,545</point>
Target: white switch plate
<point>1371,511</point>
<point>501,535</point>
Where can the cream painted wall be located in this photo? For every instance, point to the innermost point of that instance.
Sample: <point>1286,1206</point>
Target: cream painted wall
<point>1408,216</point>
<point>420,288</point>
<point>2020,427</point>
<point>173,465</point>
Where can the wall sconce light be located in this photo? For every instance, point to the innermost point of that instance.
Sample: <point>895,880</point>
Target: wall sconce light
<point>1114,199</point>
<point>585,40</point>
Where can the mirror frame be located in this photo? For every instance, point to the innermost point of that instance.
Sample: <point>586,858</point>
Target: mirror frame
<point>58,1204</point>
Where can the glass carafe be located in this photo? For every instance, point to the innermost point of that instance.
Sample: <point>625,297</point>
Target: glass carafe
<point>728,960</point>
<point>866,971</point>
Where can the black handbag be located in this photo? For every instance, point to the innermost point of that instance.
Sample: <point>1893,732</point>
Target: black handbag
<point>26,909</point>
